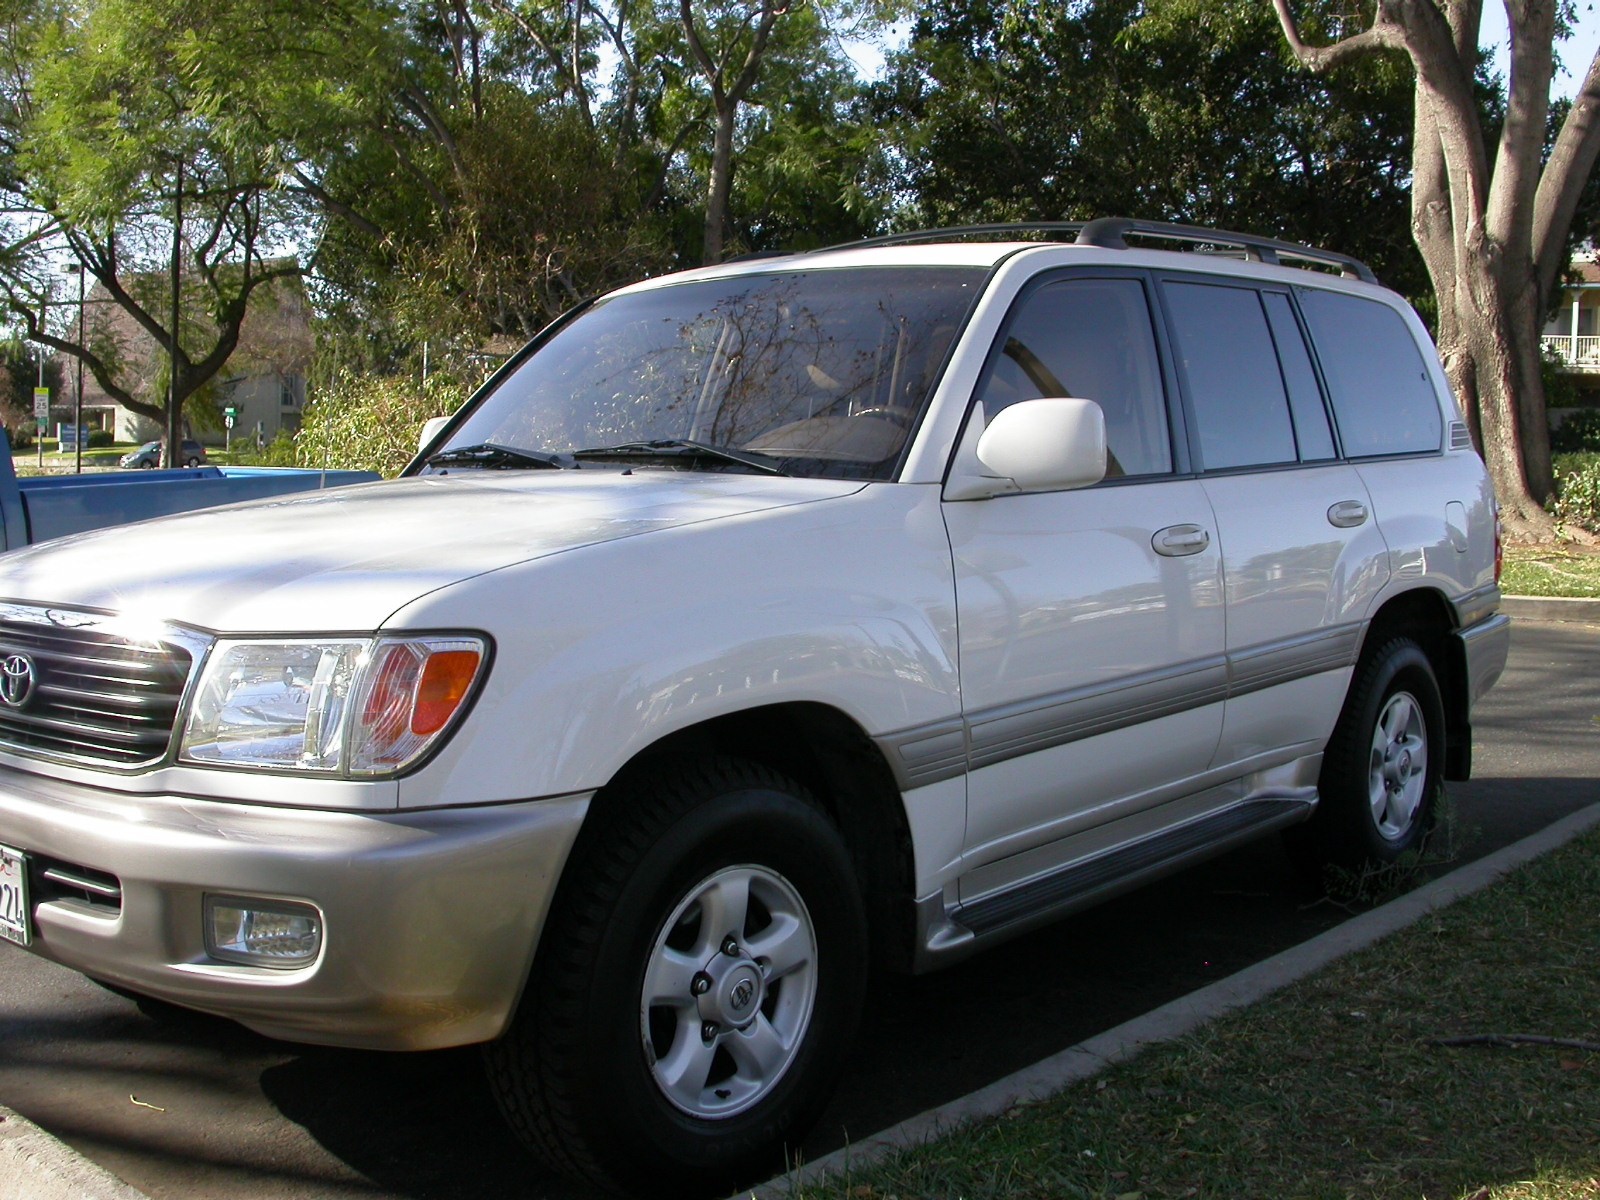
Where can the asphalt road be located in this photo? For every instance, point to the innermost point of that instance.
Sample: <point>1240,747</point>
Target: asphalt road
<point>182,1105</point>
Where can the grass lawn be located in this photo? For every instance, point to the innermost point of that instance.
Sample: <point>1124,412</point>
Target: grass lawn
<point>1550,571</point>
<point>1339,1086</point>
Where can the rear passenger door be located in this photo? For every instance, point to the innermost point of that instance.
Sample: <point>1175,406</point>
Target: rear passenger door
<point>1303,555</point>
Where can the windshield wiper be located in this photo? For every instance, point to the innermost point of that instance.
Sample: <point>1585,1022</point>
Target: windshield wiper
<point>492,455</point>
<point>683,448</point>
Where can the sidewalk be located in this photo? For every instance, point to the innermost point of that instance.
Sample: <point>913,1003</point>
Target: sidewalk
<point>35,1166</point>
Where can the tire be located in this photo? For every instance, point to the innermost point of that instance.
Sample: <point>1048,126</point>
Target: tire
<point>191,462</point>
<point>696,987</point>
<point>1382,767</point>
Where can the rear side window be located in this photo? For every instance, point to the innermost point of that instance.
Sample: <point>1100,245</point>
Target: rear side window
<point>1241,410</point>
<point>1383,400</point>
<point>1089,338</point>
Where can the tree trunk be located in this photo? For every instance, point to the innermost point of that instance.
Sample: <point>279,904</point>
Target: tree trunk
<point>1490,349</point>
<point>720,186</point>
<point>1491,227</point>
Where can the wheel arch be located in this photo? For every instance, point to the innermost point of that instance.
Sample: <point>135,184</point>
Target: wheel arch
<point>826,751</point>
<point>1425,615</point>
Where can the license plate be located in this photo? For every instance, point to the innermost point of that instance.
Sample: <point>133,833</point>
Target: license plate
<point>15,925</point>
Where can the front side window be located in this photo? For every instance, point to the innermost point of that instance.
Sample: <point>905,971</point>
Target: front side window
<point>1091,339</point>
<point>817,373</point>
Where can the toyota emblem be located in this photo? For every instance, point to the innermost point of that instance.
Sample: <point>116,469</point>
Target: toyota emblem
<point>17,680</point>
<point>743,992</point>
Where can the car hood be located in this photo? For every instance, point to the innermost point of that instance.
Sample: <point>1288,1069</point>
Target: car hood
<point>347,558</point>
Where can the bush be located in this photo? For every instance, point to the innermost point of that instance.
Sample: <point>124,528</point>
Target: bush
<point>1575,460</point>
<point>279,452</point>
<point>1580,431</point>
<point>99,439</point>
<point>371,422</point>
<point>1577,500</point>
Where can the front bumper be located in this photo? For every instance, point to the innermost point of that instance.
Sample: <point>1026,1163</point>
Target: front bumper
<point>429,918</point>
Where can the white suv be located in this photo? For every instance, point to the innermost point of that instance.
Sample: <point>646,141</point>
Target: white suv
<point>756,623</point>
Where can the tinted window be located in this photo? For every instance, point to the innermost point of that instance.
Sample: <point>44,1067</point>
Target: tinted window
<point>1241,411</point>
<point>1305,397</point>
<point>1089,338</point>
<point>1383,400</point>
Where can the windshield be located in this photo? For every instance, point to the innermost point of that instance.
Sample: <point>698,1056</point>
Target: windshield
<point>821,372</point>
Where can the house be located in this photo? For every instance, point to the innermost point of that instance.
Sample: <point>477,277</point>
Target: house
<point>264,380</point>
<point>1572,336</point>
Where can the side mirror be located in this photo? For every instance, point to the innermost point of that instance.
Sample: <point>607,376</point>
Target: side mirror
<point>1046,445</point>
<point>430,430</point>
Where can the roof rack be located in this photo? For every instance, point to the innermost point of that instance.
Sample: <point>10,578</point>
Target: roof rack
<point>950,232</point>
<point>1111,233</point>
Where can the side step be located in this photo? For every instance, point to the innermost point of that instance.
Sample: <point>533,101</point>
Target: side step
<point>1089,882</point>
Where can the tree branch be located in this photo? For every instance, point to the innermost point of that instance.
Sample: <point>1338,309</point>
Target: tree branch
<point>758,46</point>
<point>1382,34</point>
<point>1516,1039</point>
<point>697,48</point>
<point>1517,165</point>
<point>1567,171</point>
<point>310,187</point>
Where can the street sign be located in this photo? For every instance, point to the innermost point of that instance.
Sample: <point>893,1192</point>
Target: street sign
<point>41,403</point>
<point>228,419</point>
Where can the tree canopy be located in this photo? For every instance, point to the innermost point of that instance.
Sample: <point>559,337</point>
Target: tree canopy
<point>457,173</point>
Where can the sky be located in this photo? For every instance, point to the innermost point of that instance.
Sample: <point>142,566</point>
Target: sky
<point>1575,52</point>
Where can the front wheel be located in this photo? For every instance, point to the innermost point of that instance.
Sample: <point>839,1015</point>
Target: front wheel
<point>1381,770</point>
<point>696,986</point>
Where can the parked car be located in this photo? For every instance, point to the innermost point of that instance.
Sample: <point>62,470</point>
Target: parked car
<point>753,625</point>
<point>149,455</point>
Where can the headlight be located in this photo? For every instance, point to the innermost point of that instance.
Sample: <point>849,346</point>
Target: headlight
<point>333,706</point>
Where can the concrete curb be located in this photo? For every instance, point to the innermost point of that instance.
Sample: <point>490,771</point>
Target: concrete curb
<point>1186,1013</point>
<point>35,1166</point>
<point>1551,608</point>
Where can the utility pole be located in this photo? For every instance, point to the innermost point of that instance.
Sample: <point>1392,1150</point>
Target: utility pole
<point>174,450</point>
<point>77,401</point>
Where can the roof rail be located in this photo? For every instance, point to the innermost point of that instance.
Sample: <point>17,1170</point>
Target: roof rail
<point>1111,233</point>
<point>950,232</point>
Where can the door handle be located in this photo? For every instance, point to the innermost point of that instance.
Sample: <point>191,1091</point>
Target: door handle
<point>1177,540</point>
<point>1347,514</point>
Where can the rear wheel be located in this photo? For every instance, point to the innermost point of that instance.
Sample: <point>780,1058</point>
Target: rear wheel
<point>696,987</point>
<point>1381,770</point>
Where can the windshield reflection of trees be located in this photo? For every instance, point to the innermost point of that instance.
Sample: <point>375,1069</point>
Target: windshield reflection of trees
<point>831,367</point>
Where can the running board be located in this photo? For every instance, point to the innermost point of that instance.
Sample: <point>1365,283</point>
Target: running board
<point>1089,882</point>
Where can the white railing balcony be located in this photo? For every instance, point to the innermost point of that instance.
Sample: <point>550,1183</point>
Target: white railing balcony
<point>1577,353</point>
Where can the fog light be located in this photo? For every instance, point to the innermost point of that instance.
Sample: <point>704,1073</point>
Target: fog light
<point>262,933</point>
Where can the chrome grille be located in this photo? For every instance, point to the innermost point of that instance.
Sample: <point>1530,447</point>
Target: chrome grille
<point>86,693</point>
